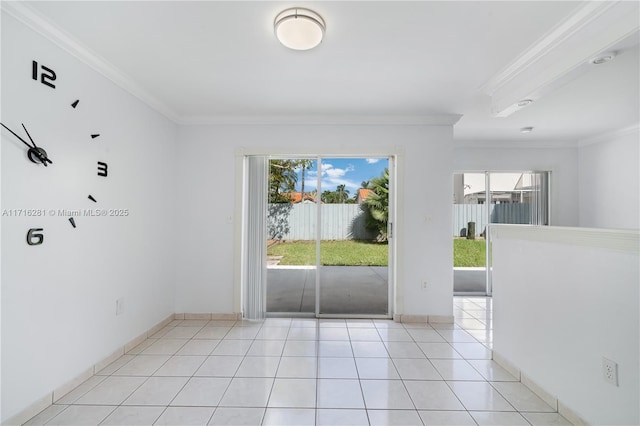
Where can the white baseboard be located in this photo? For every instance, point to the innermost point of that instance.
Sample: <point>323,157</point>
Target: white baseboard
<point>31,411</point>
<point>208,316</point>
<point>502,362</point>
<point>538,390</point>
<point>542,393</point>
<point>424,319</point>
<point>72,384</point>
<point>56,394</point>
<point>570,415</point>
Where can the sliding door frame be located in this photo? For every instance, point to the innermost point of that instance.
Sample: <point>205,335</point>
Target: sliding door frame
<point>391,240</point>
<point>240,294</point>
<point>487,204</point>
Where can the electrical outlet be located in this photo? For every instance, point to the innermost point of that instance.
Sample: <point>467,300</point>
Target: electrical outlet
<point>610,371</point>
<point>120,306</point>
<point>425,284</point>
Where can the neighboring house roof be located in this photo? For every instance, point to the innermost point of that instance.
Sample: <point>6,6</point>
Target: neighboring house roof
<point>362,194</point>
<point>296,197</point>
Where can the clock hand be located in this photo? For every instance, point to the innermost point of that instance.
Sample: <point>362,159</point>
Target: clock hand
<point>40,152</point>
<point>17,136</point>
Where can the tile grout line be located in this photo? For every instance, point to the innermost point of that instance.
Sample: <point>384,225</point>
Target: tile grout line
<point>188,379</point>
<point>275,376</point>
<point>137,388</point>
<point>351,333</point>
<point>233,377</point>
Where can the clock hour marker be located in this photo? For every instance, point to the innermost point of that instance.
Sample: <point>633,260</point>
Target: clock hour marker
<point>102,169</point>
<point>75,103</point>
<point>72,221</point>
<point>47,75</point>
<point>95,135</point>
<point>92,199</point>
<point>35,237</point>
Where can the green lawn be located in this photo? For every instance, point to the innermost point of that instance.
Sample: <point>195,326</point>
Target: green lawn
<point>466,253</point>
<point>334,253</point>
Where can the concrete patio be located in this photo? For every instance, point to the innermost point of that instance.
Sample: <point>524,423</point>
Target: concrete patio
<point>358,290</point>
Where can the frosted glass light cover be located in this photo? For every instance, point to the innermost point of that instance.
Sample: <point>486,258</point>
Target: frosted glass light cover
<point>299,29</point>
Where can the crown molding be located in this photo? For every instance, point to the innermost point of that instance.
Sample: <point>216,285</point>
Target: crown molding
<point>40,24</point>
<point>580,18</point>
<point>514,144</point>
<point>563,53</point>
<point>33,19</point>
<point>354,120</point>
<point>611,135</point>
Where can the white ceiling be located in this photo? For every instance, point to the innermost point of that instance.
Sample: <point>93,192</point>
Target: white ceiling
<point>198,61</point>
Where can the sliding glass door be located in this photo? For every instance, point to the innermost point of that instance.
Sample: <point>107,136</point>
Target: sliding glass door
<point>515,198</point>
<point>292,217</point>
<point>485,198</point>
<point>328,228</point>
<point>354,238</point>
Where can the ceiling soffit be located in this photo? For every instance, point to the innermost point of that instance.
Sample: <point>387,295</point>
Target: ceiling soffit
<point>563,54</point>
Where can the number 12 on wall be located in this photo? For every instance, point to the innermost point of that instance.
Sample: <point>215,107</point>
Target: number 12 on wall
<point>47,75</point>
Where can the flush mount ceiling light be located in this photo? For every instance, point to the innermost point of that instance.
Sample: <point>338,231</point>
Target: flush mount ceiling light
<point>526,130</point>
<point>299,28</point>
<point>525,102</point>
<point>603,58</point>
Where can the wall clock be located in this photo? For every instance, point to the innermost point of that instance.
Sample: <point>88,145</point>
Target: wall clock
<point>41,152</point>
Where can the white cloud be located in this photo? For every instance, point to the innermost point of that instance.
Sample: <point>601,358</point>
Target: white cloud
<point>331,178</point>
<point>334,176</point>
<point>335,173</point>
<point>372,160</point>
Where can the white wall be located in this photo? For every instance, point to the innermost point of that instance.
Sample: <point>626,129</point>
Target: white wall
<point>563,299</point>
<point>562,162</point>
<point>207,197</point>
<point>610,182</point>
<point>58,299</point>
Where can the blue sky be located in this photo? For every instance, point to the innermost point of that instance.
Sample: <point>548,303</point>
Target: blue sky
<point>343,171</point>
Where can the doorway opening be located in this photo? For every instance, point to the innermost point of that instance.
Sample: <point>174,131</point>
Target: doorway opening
<point>328,238</point>
<point>481,199</point>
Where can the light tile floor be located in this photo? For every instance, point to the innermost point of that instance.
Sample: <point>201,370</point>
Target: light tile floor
<point>309,372</point>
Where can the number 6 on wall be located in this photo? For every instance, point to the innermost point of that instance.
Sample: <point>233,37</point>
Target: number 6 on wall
<point>34,237</point>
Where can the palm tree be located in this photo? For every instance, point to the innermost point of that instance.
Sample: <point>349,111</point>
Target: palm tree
<point>328,197</point>
<point>365,184</point>
<point>305,164</point>
<point>377,204</point>
<point>282,177</point>
<point>342,194</point>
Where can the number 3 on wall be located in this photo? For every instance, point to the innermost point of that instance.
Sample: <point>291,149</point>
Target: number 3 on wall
<point>35,236</point>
